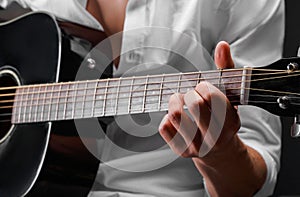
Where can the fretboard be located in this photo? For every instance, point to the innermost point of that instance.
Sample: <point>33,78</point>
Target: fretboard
<point>119,96</point>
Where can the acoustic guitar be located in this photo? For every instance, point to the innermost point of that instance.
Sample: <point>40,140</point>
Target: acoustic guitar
<point>40,100</point>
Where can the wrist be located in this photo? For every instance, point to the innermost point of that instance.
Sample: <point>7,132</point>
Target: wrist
<point>234,170</point>
<point>234,150</point>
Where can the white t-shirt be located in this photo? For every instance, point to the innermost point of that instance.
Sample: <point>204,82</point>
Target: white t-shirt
<point>156,34</point>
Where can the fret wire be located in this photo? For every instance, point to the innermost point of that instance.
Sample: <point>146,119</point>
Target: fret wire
<point>75,98</point>
<point>105,97</point>
<point>145,92</point>
<point>50,100</point>
<point>83,100</point>
<point>179,83</point>
<point>69,100</point>
<point>50,104</point>
<point>30,107</point>
<point>43,106</point>
<point>36,109</point>
<point>118,89</point>
<point>20,104</point>
<point>66,100</point>
<point>130,94</point>
<point>18,109</point>
<point>94,100</point>
<point>57,104</point>
<point>14,110</point>
<point>220,78</point>
<point>160,91</point>
<point>26,96</point>
<point>199,78</point>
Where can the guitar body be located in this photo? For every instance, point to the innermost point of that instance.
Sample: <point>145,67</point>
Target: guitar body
<point>36,50</point>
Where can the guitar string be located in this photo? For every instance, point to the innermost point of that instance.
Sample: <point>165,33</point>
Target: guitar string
<point>128,85</point>
<point>164,102</point>
<point>143,84</point>
<point>155,76</point>
<point>120,100</point>
<point>132,93</point>
<point>123,85</point>
<point>112,93</point>
<point>154,101</point>
<point>97,100</point>
<point>252,101</point>
<point>112,113</point>
<point>275,91</point>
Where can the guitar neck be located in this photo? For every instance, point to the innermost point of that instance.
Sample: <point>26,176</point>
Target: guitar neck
<point>119,96</point>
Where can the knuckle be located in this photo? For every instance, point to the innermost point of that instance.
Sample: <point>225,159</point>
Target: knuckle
<point>203,89</point>
<point>188,153</point>
<point>185,154</point>
<point>195,104</point>
<point>162,129</point>
<point>193,99</point>
<point>194,150</point>
<point>175,98</point>
<point>203,85</point>
<point>175,116</point>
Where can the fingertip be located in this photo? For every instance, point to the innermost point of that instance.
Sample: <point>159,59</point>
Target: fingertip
<point>222,47</point>
<point>222,44</point>
<point>166,129</point>
<point>222,55</point>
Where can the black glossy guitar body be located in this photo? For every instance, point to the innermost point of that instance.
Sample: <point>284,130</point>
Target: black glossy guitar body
<point>36,50</point>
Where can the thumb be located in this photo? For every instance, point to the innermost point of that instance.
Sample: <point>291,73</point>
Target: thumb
<point>223,57</point>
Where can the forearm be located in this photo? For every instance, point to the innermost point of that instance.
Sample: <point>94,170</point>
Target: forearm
<point>239,170</point>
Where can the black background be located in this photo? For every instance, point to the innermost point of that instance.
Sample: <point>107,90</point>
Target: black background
<point>289,176</point>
